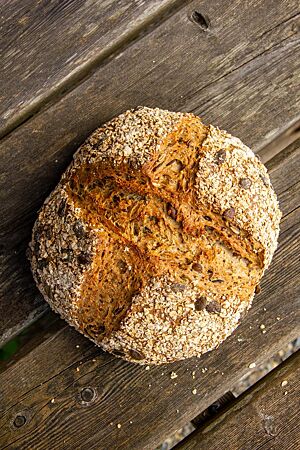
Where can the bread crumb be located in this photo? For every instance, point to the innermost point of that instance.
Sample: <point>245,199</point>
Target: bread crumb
<point>239,339</point>
<point>173,375</point>
<point>93,360</point>
<point>119,425</point>
<point>285,393</point>
<point>147,368</point>
<point>265,309</point>
<point>284,383</point>
<point>252,366</point>
<point>53,400</point>
<point>77,369</point>
<point>262,326</point>
<point>277,318</point>
<point>77,346</point>
<point>194,391</point>
<point>177,410</point>
<point>130,421</point>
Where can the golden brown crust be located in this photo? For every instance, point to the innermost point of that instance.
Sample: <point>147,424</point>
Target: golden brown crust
<point>148,245</point>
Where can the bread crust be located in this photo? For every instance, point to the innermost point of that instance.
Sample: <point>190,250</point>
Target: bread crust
<point>156,291</point>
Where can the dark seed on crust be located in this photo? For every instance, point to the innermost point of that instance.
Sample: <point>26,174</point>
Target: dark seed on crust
<point>28,253</point>
<point>116,199</point>
<point>229,213</point>
<point>154,219</point>
<point>245,183</point>
<point>41,263</point>
<point>36,247</point>
<point>72,184</point>
<point>177,287</point>
<point>209,219</point>
<point>147,230</point>
<point>135,354</point>
<point>61,208</point>
<point>118,310</point>
<point>122,266</point>
<point>213,307</point>
<point>220,157</point>
<point>101,329</point>
<point>171,211</point>
<point>84,258</point>
<point>200,303</point>
<point>258,289</point>
<point>197,267</point>
<point>47,290</point>
<point>48,232</point>
<point>264,180</point>
<point>78,229</point>
<point>217,281</point>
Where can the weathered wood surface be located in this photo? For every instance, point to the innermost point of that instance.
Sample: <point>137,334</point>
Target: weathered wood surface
<point>265,417</point>
<point>147,403</point>
<point>48,46</point>
<point>219,73</point>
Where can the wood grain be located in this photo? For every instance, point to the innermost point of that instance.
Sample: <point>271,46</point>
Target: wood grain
<point>49,46</point>
<point>219,73</point>
<point>265,417</point>
<point>148,404</point>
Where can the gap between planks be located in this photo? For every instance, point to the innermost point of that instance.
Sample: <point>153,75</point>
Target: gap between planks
<point>264,416</point>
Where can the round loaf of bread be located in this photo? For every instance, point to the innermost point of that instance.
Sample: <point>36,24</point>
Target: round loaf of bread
<point>156,237</point>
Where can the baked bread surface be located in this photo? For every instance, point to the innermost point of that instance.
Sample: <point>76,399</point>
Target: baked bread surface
<point>156,237</point>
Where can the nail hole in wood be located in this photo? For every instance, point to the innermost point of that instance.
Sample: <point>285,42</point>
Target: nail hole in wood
<point>87,396</point>
<point>19,421</point>
<point>200,20</point>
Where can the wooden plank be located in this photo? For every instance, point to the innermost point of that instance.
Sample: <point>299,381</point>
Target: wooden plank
<point>219,73</point>
<point>148,404</point>
<point>265,417</point>
<point>48,46</point>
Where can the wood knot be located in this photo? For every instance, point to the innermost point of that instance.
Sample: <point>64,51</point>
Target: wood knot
<point>87,396</point>
<point>19,420</point>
